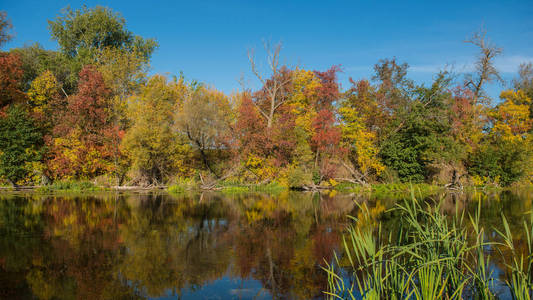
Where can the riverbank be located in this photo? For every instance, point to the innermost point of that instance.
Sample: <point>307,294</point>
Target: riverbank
<point>379,189</point>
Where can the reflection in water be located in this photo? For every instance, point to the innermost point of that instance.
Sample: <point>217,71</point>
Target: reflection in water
<point>211,245</point>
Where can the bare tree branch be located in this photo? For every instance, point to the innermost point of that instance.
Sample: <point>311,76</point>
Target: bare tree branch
<point>485,71</point>
<point>273,87</point>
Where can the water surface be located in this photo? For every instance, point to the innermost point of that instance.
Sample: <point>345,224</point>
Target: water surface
<point>193,246</point>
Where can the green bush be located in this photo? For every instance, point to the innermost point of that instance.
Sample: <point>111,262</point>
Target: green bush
<point>503,164</point>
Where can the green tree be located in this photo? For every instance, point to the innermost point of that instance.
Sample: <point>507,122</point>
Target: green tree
<point>20,144</point>
<point>36,60</point>
<point>82,31</point>
<point>83,35</point>
<point>421,135</point>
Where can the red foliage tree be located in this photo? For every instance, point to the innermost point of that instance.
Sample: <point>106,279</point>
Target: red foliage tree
<point>250,128</point>
<point>462,108</point>
<point>257,138</point>
<point>283,140</point>
<point>10,77</point>
<point>328,92</point>
<point>85,136</point>
<point>325,141</point>
<point>326,135</point>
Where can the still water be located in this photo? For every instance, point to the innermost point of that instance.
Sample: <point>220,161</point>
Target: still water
<point>194,246</point>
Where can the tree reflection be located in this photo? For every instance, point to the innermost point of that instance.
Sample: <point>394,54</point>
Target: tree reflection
<point>135,246</point>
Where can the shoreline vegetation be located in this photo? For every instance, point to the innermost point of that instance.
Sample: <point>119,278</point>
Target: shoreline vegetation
<point>273,187</point>
<point>89,116</point>
<point>431,255</point>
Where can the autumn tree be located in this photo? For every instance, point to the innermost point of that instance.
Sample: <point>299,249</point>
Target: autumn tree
<point>155,149</point>
<point>325,142</point>
<point>524,82</point>
<point>263,150</point>
<point>510,118</point>
<point>82,147</point>
<point>302,108</point>
<point>504,156</point>
<point>250,127</point>
<point>123,72</point>
<point>326,134</point>
<point>466,126</point>
<point>275,89</point>
<point>206,118</point>
<point>43,90</point>
<point>5,27</point>
<point>10,79</point>
<point>359,112</point>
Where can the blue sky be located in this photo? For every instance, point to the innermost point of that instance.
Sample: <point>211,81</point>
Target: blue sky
<point>208,40</point>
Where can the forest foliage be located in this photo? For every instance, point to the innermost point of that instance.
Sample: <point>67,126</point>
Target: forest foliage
<point>91,111</point>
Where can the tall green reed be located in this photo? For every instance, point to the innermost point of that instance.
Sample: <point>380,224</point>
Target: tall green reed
<point>520,274</point>
<point>427,256</point>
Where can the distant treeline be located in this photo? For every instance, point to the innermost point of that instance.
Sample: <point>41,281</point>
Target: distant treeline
<point>91,111</point>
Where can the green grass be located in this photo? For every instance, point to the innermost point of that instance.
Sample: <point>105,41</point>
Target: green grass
<point>427,256</point>
<point>182,185</point>
<point>234,188</point>
<point>176,189</point>
<point>70,186</point>
<point>228,187</point>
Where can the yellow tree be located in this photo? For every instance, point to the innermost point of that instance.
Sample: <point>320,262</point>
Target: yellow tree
<point>303,96</point>
<point>155,150</point>
<point>123,72</point>
<point>512,125</point>
<point>357,111</point>
<point>506,157</point>
<point>43,89</point>
<point>511,121</point>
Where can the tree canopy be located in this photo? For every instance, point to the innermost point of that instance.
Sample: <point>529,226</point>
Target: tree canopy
<point>92,110</point>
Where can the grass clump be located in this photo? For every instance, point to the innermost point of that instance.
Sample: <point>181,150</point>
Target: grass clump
<point>235,189</point>
<point>176,189</point>
<point>427,256</point>
<point>182,185</point>
<point>70,186</point>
